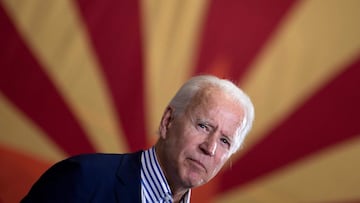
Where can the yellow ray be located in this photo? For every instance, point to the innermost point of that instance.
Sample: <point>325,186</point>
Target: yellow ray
<point>316,41</point>
<point>171,29</point>
<point>331,175</point>
<point>18,132</point>
<point>56,35</point>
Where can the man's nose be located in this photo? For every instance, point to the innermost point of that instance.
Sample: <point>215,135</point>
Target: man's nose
<point>209,145</point>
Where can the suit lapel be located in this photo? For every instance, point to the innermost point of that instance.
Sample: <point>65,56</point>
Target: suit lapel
<point>128,185</point>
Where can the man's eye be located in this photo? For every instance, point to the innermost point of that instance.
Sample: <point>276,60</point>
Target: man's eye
<point>203,127</point>
<point>225,141</point>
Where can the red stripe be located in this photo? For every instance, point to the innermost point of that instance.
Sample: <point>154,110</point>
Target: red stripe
<point>25,84</point>
<point>236,30</point>
<point>328,118</point>
<point>114,27</point>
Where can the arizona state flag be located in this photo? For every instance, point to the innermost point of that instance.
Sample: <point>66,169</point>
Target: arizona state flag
<point>95,76</point>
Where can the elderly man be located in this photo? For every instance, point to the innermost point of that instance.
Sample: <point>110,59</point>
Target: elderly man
<point>203,125</point>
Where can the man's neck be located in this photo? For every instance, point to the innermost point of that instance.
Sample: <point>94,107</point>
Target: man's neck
<point>177,191</point>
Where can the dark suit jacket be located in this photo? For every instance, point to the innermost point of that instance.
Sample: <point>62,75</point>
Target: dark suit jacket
<point>90,178</point>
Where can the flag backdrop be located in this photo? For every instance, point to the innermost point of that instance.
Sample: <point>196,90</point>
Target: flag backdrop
<point>95,76</point>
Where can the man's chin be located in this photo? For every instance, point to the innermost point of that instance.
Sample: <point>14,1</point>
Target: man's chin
<point>194,180</point>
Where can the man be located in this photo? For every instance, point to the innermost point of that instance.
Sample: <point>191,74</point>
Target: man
<point>203,125</point>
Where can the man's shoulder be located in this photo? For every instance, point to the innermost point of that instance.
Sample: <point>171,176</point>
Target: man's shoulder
<point>103,160</point>
<point>72,178</point>
<point>99,157</point>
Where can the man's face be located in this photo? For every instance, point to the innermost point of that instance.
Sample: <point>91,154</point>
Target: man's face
<point>199,142</point>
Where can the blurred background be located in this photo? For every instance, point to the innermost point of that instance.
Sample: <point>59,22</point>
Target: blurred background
<point>95,76</point>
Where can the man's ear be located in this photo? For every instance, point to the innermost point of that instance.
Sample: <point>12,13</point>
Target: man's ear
<point>166,120</point>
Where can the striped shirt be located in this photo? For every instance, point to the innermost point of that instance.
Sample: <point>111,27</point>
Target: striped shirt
<point>154,187</point>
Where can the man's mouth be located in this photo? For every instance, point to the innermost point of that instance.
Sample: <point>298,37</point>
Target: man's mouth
<point>198,164</point>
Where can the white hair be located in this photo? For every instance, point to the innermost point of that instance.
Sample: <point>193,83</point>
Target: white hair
<point>183,97</point>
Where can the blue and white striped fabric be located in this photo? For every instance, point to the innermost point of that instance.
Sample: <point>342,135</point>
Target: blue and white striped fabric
<point>154,187</point>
